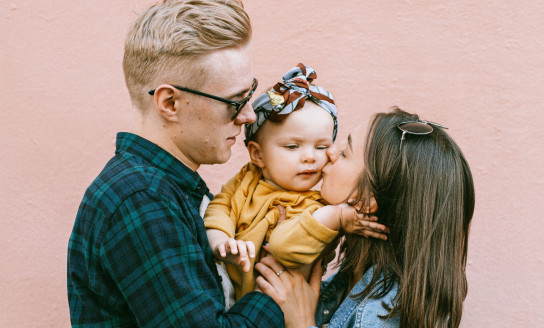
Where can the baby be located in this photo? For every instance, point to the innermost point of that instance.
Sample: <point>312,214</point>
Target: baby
<point>296,124</point>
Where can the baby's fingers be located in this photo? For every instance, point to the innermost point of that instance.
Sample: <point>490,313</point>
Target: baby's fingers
<point>222,251</point>
<point>370,218</point>
<point>245,264</point>
<point>373,234</point>
<point>250,249</point>
<point>242,249</point>
<point>374,226</point>
<point>232,246</point>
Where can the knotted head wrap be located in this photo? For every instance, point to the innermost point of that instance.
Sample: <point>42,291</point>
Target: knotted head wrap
<point>289,95</point>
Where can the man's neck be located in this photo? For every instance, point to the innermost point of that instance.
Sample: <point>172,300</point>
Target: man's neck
<point>161,139</point>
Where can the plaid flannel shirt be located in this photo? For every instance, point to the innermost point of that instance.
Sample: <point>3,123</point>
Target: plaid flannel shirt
<point>138,255</point>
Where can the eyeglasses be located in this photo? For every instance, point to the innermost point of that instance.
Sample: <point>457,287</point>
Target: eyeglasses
<point>238,105</point>
<point>417,128</point>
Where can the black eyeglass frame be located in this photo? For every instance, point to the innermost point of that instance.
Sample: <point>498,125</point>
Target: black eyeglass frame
<point>417,128</point>
<point>238,105</point>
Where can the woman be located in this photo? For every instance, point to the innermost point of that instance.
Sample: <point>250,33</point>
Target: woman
<point>418,181</point>
<point>415,179</point>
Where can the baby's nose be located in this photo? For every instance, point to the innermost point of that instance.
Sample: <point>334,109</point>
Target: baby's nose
<point>308,155</point>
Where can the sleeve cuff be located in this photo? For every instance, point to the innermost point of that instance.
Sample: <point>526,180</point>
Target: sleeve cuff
<point>316,229</point>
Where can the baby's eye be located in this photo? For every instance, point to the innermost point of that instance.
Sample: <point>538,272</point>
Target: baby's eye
<point>322,147</point>
<point>291,146</point>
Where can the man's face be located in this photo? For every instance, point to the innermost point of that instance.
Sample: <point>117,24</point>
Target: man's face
<point>206,132</point>
<point>294,151</point>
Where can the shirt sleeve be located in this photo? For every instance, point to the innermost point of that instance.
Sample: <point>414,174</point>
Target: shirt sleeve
<point>217,215</point>
<point>154,258</point>
<point>300,240</point>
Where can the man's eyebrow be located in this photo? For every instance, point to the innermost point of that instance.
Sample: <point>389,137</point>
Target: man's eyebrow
<point>239,94</point>
<point>349,143</point>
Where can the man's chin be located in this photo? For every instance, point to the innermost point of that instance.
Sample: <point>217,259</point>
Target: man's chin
<point>222,159</point>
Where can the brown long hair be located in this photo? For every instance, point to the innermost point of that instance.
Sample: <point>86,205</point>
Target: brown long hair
<point>425,195</point>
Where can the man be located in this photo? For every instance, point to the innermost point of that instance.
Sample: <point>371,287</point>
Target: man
<point>138,254</point>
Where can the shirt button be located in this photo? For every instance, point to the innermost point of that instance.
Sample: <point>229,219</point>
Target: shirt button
<point>326,312</point>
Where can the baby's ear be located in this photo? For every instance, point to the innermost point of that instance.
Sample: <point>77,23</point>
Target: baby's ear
<point>255,153</point>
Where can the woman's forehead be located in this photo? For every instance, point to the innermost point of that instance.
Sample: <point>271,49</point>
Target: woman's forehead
<point>359,134</point>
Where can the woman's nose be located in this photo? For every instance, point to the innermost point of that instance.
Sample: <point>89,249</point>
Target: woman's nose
<point>333,154</point>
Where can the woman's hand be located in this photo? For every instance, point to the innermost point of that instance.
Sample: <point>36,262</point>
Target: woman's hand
<point>296,298</point>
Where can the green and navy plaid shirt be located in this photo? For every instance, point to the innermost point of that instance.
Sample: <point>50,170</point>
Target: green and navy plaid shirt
<point>138,255</point>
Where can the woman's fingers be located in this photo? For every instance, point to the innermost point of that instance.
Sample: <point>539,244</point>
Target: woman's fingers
<point>264,286</point>
<point>269,281</point>
<point>297,299</point>
<point>273,265</point>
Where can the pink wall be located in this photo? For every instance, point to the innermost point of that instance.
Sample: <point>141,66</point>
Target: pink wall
<point>475,66</point>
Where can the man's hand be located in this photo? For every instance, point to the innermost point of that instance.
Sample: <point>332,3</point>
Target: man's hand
<point>296,298</point>
<point>235,252</point>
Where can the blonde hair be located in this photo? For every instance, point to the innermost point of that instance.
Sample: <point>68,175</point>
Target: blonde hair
<point>168,40</point>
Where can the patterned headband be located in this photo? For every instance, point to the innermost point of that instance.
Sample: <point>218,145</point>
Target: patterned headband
<point>289,95</point>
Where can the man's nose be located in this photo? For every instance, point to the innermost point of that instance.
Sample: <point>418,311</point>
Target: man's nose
<point>246,116</point>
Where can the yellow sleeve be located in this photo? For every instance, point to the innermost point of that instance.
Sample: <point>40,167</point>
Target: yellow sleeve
<point>300,240</point>
<point>218,213</point>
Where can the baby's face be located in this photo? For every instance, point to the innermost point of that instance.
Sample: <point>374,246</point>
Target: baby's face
<point>295,151</point>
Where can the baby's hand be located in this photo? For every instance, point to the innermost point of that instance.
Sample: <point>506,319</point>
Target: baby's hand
<point>359,223</point>
<point>236,252</point>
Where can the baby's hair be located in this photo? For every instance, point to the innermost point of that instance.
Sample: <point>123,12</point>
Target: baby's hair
<point>287,96</point>
<point>425,195</point>
<point>172,36</point>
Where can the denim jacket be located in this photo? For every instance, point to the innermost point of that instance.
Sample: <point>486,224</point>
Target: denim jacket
<point>335,312</point>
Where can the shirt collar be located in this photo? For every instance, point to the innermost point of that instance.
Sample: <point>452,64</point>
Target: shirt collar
<point>186,178</point>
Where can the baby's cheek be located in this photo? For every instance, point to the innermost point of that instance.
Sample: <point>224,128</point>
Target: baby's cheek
<point>322,160</point>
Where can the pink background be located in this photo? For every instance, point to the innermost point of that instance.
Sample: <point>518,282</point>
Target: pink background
<point>475,66</point>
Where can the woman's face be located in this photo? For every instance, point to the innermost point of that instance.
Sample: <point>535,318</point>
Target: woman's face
<point>341,174</point>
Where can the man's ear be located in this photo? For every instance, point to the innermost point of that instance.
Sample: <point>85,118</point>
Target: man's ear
<point>255,153</point>
<point>165,102</point>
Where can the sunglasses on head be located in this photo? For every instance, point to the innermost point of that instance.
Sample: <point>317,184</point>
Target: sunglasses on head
<point>417,128</point>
